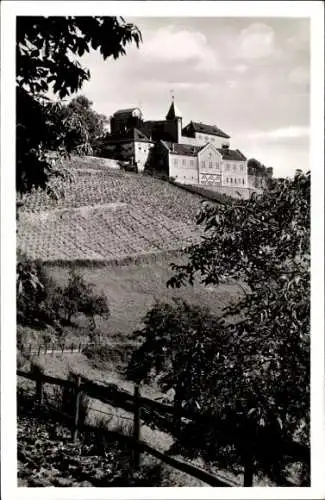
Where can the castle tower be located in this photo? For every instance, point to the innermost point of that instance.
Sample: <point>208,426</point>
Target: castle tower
<point>174,115</point>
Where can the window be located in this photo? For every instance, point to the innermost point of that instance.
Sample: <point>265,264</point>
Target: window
<point>243,181</point>
<point>210,164</point>
<point>231,180</point>
<point>227,167</point>
<point>192,163</point>
<point>202,163</point>
<point>175,161</point>
<point>184,161</point>
<point>206,138</point>
<point>241,168</point>
<point>227,180</point>
<point>234,168</point>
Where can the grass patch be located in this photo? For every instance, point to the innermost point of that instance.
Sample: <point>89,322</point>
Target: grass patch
<point>131,291</point>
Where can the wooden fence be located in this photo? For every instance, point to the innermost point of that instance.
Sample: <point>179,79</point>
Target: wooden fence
<point>59,347</point>
<point>137,404</point>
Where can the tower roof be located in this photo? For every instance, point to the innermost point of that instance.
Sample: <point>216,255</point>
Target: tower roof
<point>173,112</point>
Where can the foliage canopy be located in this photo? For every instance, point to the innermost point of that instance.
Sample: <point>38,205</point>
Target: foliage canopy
<point>47,52</point>
<point>251,373</point>
<point>41,302</point>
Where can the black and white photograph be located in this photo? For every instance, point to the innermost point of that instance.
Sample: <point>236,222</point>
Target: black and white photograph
<point>162,165</point>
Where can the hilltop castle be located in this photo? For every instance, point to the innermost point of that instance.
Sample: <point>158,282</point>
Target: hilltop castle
<point>197,154</point>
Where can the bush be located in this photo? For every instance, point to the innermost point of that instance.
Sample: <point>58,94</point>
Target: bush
<point>100,355</point>
<point>252,375</point>
<point>35,295</point>
<point>40,302</point>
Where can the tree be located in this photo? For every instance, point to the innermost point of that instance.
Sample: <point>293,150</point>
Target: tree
<point>79,297</point>
<point>36,295</point>
<point>252,375</point>
<point>96,305</point>
<point>93,122</point>
<point>40,302</point>
<point>46,59</point>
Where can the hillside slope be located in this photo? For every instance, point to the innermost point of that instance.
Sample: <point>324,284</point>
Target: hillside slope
<point>121,231</point>
<point>107,215</point>
<point>110,232</point>
<point>95,184</point>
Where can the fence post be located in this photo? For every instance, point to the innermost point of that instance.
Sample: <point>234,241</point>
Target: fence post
<point>39,349</point>
<point>136,428</point>
<point>248,469</point>
<point>39,388</point>
<point>76,411</point>
<point>72,347</point>
<point>177,417</point>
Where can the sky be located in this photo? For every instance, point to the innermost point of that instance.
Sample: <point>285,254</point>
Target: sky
<point>248,76</point>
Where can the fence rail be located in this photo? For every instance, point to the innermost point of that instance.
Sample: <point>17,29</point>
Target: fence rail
<point>59,347</point>
<point>136,404</point>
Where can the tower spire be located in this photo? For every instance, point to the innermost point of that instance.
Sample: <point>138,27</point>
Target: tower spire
<point>173,111</point>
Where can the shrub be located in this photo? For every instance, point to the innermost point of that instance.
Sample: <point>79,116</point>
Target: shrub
<point>36,295</point>
<point>251,375</point>
<point>40,302</point>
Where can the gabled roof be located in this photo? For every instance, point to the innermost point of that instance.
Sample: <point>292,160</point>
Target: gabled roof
<point>231,154</point>
<point>182,149</point>
<point>131,135</point>
<point>208,129</point>
<point>125,111</point>
<point>138,134</point>
<point>173,112</point>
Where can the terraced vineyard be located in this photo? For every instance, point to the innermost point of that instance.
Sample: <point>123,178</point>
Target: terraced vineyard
<point>101,233</point>
<point>107,215</point>
<point>97,185</point>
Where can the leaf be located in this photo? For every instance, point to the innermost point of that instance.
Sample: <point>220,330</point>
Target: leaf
<point>262,422</point>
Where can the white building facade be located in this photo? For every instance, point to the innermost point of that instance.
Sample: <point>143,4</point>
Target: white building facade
<point>206,165</point>
<point>197,154</point>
